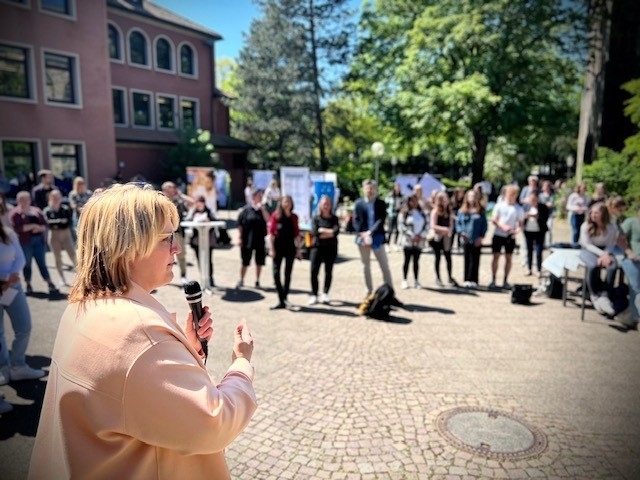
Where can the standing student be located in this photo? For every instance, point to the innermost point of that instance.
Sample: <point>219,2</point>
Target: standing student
<point>630,229</point>
<point>13,364</point>
<point>471,224</point>
<point>413,226</point>
<point>325,227</point>
<point>536,215</point>
<point>507,219</point>
<point>78,197</point>
<point>40,193</point>
<point>183,203</point>
<point>369,215</point>
<point>252,230</point>
<point>129,395</point>
<point>394,201</point>
<point>547,197</point>
<point>201,213</point>
<point>284,238</point>
<point>60,221</point>
<point>577,203</point>
<point>442,222</point>
<point>272,196</point>
<point>30,225</point>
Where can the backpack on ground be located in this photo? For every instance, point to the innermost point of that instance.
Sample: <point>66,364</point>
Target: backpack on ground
<point>379,304</point>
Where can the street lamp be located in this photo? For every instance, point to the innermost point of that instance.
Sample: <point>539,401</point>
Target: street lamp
<point>377,148</point>
<point>394,162</point>
<point>570,160</point>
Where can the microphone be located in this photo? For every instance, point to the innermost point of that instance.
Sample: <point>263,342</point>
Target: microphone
<point>193,292</point>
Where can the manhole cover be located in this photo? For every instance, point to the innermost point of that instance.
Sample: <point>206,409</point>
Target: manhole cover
<point>491,433</point>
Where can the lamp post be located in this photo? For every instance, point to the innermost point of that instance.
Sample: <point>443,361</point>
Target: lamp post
<point>570,160</point>
<point>394,162</point>
<point>377,148</point>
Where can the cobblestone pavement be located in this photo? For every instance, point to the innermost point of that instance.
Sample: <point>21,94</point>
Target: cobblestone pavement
<point>346,397</point>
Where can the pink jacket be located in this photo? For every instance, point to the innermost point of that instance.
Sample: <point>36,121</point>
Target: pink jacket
<point>128,397</point>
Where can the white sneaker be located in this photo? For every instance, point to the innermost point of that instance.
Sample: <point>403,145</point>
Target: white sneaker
<point>606,305</point>
<point>404,285</point>
<point>312,300</point>
<point>4,375</point>
<point>595,301</point>
<point>416,284</point>
<point>325,298</point>
<point>25,372</point>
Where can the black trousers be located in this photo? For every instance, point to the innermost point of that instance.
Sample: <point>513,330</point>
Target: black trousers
<point>319,256</point>
<point>471,262</point>
<point>283,288</point>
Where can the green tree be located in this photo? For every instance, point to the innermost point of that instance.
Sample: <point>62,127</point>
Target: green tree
<point>451,69</point>
<point>193,149</point>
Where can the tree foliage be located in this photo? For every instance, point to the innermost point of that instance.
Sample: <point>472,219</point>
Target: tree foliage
<point>193,149</point>
<point>284,74</point>
<point>446,70</point>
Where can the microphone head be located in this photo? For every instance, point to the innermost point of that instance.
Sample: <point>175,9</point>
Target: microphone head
<point>192,288</point>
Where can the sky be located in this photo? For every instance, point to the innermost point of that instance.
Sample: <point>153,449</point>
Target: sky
<point>229,18</point>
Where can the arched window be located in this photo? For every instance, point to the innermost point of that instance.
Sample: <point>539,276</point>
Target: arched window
<point>115,46</point>
<point>138,48</point>
<point>186,60</point>
<point>164,54</point>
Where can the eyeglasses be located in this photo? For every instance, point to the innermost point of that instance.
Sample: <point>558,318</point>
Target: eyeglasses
<point>168,238</point>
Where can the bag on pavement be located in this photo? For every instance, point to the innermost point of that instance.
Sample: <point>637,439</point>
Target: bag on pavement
<point>521,293</point>
<point>379,304</point>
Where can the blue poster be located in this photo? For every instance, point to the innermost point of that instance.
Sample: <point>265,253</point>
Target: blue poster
<point>320,189</point>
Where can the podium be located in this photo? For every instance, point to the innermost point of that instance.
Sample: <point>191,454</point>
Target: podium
<point>203,246</point>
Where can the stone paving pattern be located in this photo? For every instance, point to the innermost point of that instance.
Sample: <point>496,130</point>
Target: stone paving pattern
<point>346,397</point>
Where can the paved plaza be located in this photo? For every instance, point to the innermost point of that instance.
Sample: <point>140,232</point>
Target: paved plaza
<point>461,384</point>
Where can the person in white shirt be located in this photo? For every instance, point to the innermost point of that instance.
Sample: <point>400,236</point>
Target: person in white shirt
<point>508,218</point>
<point>577,204</point>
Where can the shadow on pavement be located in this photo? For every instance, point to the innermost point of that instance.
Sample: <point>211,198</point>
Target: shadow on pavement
<point>241,295</point>
<point>412,307</point>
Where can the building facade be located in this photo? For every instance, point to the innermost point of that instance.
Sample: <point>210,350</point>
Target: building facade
<point>97,88</point>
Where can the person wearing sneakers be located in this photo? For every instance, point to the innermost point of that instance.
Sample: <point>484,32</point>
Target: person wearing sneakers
<point>30,225</point>
<point>413,226</point>
<point>325,228</point>
<point>442,224</point>
<point>60,220</point>
<point>508,219</point>
<point>471,224</point>
<point>598,239</point>
<point>13,366</point>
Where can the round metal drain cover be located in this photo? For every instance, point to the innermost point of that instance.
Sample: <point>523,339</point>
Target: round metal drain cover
<point>490,433</point>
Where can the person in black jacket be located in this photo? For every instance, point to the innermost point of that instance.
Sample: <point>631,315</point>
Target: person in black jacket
<point>325,227</point>
<point>59,218</point>
<point>536,215</point>
<point>369,215</point>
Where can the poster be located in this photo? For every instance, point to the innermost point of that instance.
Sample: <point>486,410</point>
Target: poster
<point>261,178</point>
<point>200,183</point>
<point>320,189</point>
<point>294,181</point>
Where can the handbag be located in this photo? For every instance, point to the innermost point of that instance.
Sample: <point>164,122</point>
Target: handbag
<point>521,293</point>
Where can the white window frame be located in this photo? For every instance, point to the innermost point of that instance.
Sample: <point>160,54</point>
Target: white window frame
<point>77,81</point>
<point>38,159</point>
<point>176,116</point>
<point>149,64</point>
<point>125,107</point>
<point>172,54</point>
<point>196,102</point>
<point>31,74</point>
<point>195,61</point>
<point>123,40</point>
<point>82,161</point>
<point>132,117</point>
<point>69,16</point>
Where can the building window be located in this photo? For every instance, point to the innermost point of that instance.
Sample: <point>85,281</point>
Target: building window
<point>164,55</point>
<point>61,7</point>
<point>188,111</point>
<point>141,104</point>
<point>187,62</point>
<point>166,112</point>
<point>14,72</point>
<point>119,106</point>
<point>115,44</point>
<point>65,160</point>
<point>60,78</point>
<point>138,49</point>
<point>18,161</point>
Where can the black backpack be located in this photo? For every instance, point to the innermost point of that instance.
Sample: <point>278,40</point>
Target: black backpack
<point>378,305</point>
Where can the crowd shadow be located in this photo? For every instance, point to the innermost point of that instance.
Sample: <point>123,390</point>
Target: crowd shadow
<point>242,295</point>
<point>23,419</point>
<point>422,308</point>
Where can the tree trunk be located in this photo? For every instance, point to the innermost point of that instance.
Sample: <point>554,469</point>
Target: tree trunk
<point>479,150</point>
<point>317,91</point>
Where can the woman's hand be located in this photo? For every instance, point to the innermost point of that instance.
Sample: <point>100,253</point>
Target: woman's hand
<point>204,331</point>
<point>605,260</point>
<point>243,342</point>
<point>299,254</point>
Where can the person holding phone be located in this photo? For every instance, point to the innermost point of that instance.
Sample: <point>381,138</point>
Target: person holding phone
<point>128,394</point>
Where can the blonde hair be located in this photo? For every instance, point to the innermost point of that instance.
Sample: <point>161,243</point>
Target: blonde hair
<point>118,225</point>
<point>76,181</point>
